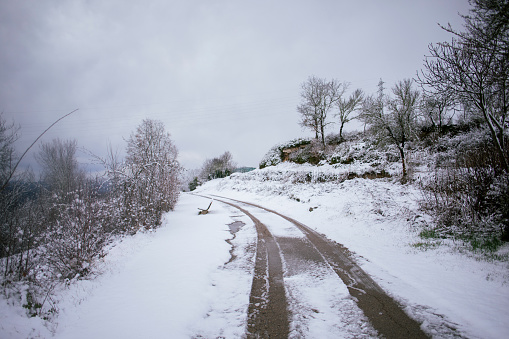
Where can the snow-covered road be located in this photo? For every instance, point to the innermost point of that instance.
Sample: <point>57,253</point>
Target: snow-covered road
<point>326,290</point>
<point>180,282</point>
<point>452,292</point>
<point>184,281</point>
<point>314,301</point>
<point>172,283</point>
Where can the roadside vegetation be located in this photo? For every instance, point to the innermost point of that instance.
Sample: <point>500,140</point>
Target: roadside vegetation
<point>55,229</point>
<point>215,168</point>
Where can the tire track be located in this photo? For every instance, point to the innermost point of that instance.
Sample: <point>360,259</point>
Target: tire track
<point>267,315</point>
<point>265,312</point>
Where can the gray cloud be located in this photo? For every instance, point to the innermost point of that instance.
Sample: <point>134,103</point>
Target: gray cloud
<point>221,75</point>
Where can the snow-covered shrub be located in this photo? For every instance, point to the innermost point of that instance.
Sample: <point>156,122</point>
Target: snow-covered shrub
<point>355,147</point>
<point>31,303</point>
<point>468,192</point>
<point>193,184</point>
<point>347,153</point>
<point>311,153</point>
<point>22,226</point>
<point>78,237</point>
<point>219,167</point>
<point>498,199</point>
<point>147,183</point>
<point>334,139</point>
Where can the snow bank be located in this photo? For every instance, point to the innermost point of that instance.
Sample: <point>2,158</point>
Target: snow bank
<point>14,322</point>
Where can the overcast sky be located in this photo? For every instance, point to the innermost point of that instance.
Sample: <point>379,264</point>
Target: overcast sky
<point>221,74</point>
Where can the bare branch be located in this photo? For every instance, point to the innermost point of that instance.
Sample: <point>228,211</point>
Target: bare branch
<point>29,147</point>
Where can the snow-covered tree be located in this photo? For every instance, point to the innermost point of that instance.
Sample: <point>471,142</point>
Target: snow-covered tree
<point>346,107</point>
<point>437,110</point>
<point>319,97</point>
<point>12,215</point>
<point>219,167</point>
<point>149,177</point>
<point>393,120</point>
<point>473,69</point>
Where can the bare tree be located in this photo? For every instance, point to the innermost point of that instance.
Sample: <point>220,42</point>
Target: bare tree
<point>472,68</point>
<point>60,168</point>
<point>437,110</point>
<point>346,107</point>
<point>9,228</point>
<point>309,118</point>
<point>8,136</point>
<point>219,167</point>
<point>8,159</point>
<point>319,96</point>
<point>393,119</point>
<point>13,167</point>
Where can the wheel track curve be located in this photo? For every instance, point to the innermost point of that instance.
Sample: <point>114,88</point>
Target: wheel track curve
<point>268,315</point>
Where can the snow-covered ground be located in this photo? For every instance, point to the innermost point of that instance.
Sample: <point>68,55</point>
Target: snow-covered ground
<point>441,283</point>
<point>178,281</point>
<point>170,283</point>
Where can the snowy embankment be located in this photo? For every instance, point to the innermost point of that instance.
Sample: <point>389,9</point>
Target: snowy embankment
<point>440,283</point>
<point>172,282</point>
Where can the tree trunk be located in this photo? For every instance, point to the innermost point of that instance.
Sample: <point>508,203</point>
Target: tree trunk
<point>403,162</point>
<point>495,136</point>
<point>323,137</point>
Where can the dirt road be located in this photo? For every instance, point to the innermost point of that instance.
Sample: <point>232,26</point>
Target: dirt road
<point>287,255</point>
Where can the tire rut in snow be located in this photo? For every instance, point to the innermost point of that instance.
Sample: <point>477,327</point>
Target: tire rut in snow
<point>383,312</point>
<point>267,311</point>
<point>234,228</point>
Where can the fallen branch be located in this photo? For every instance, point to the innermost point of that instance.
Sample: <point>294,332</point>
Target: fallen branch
<point>202,211</point>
